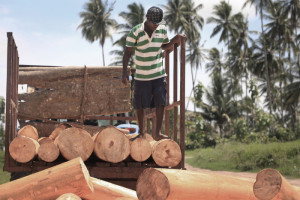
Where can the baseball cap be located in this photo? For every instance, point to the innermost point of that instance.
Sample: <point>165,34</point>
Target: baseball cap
<point>155,15</point>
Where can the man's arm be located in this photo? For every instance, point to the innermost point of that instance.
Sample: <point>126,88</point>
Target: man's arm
<point>126,57</point>
<point>176,39</point>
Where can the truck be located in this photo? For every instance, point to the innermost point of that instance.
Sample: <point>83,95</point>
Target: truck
<point>47,101</point>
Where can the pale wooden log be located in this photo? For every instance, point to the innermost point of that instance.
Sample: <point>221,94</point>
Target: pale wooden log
<point>58,130</point>
<point>123,130</point>
<point>140,149</point>
<point>111,145</point>
<point>75,142</point>
<point>23,149</point>
<point>48,151</point>
<point>69,196</point>
<point>49,184</point>
<point>271,185</point>
<point>29,131</point>
<point>109,191</point>
<point>166,153</point>
<point>149,137</point>
<point>173,184</point>
<point>130,136</point>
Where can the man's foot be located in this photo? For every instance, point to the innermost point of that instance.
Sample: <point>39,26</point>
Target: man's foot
<point>138,136</point>
<point>160,137</point>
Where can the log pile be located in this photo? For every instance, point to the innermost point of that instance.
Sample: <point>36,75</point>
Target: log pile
<point>110,144</point>
<point>72,92</point>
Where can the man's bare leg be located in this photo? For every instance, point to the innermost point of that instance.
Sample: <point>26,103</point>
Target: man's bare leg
<point>159,119</point>
<point>140,118</point>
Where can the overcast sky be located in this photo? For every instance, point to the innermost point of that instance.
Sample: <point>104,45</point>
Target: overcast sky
<point>46,32</point>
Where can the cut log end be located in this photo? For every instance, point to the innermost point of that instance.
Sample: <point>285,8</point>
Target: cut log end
<point>152,185</point>
<point>23,149</point>
<point>268,184</point>
<point>68,196</point>
<point>48,151</point>
<point>29,131</point>
<point>166,153</point>
<point>140,149</point>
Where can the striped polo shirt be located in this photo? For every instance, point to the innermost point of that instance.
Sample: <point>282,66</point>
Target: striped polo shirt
<point>148,51</point>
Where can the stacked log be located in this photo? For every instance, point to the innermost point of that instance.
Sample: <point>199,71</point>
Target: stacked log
<point>75,142</point>
<point>69,196</point>
<point>111,145</point>
<point>48,150</point>
<point>72,92</point>
<point>140,149</point>
<point>166,153</point>
<point>271,185</point>
<point>69,177</point>
<point>160,184</point>
<point>24,147</point>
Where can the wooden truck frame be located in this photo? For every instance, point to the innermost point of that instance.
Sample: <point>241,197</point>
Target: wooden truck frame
<point>124,173</point>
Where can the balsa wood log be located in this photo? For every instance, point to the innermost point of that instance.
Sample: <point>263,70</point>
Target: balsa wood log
<point>29,131</point>
<point>69,196</point>
<point>140,149</point>
<point>75,142</point>
<point>23,149</point>
<point>111,145</point>
<point>109,191</point>
<point>271,185</point>
<point>174,184</point>
<point>48,151</point>
<point>123,130</point>
<point>58,130</point>
<point>49,184</point>
<point>166,153</point>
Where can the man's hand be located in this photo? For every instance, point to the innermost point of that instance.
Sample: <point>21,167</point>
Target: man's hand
<point>125,79</point>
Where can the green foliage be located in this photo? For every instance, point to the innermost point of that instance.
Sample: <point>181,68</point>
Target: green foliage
<point>4,176</point>
<point>234,156</point>
<point>201,134</point>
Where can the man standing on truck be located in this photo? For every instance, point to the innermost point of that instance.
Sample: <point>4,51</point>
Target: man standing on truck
<point>149,39</point>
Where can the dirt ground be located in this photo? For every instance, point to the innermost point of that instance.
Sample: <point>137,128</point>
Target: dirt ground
<point>244,175</point>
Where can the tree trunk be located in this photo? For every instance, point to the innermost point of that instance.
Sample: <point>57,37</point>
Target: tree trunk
<point>75,142</point>
<point>49,184</point>
<point>111,145</point>
<point>23,149</point>
<point>48,151</point>
<point>271,185</point>
<point>166,153</point>
<point>109,191</point>
<point>58,130</point>
<point>140,149</point>
<point>160,184</point>
<point>29,131</point>
<point>69,196</point>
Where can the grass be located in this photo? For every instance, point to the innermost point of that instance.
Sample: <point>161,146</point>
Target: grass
<point>4,176</point>
<point>284,157</point>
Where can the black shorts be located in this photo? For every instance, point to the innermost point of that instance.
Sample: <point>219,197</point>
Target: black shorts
<point>149,94</point>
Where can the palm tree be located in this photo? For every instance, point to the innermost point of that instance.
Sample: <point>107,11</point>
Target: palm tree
<point>96,22</point>
<point>174,15</point>
<point>260,4</point>
<point>220,107</point>
<point>132,18</point>
<point>216,63</point>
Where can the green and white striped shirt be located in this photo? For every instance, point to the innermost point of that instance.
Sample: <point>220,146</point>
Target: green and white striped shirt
<point>148,51</point>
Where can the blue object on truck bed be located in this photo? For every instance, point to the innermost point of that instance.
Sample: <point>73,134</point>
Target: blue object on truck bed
<point>131,127</point>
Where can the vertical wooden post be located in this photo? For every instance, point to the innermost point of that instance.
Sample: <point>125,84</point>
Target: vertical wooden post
<point>182,100</point>
<point>175,117</point>
<point>167,112</point>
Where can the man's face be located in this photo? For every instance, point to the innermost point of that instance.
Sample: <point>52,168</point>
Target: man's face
<point>151,25</point>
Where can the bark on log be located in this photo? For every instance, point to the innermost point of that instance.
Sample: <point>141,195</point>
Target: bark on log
<point>49,184</point>
<point>75,142</point>
<point>271,185</point>
<point>140,149</point>
<point>111,145</point>
<point>166,153</point>
<point>23,149</point>
<point>58,130</point>
<point>109,191</point>
<point>160,184</point>
<point>69,196</point>
<point>29,131</point>
<point>48,151</point>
